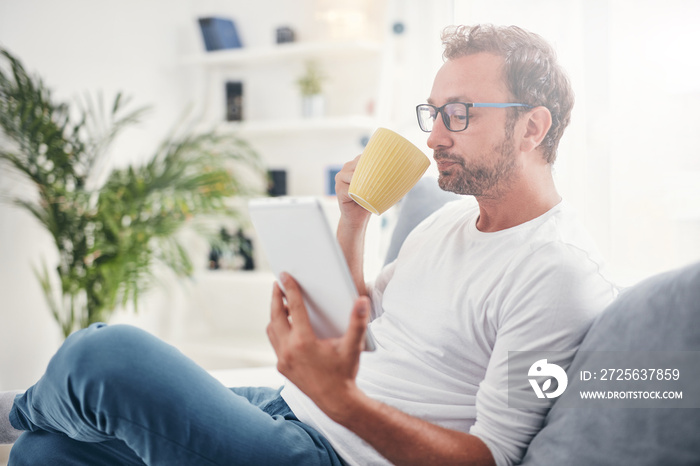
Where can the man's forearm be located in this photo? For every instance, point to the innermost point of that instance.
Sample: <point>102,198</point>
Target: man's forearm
<point>404,439</point>
<point>352,243</point>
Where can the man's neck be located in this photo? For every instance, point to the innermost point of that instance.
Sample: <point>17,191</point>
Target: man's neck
<point>526,200</point>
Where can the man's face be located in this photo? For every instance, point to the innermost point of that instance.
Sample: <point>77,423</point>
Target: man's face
<point>480,160</point>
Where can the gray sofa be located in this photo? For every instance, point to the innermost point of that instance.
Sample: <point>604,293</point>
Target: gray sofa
<point>660,314</point>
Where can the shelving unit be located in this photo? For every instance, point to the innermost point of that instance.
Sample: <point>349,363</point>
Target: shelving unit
<point>272,121</point>
<point>288,127</point>
<point>270,92</point>
<point>232,307</point>
<point>282,52</point>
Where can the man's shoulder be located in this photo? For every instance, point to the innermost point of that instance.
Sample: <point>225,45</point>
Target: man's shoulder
<point>560,259</point>
<point>564,240</point>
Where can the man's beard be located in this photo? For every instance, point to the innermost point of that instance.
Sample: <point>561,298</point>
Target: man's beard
<point>480,180</point>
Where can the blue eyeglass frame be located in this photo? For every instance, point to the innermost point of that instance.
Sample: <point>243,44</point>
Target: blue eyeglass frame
<point>446,120</point>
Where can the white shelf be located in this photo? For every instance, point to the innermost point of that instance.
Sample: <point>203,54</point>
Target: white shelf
<point>295,126</point>
<point>273,54</point>
<point>239,276</point>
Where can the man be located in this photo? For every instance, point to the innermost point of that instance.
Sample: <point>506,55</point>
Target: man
<point>505,269</point>
<point>510,272</point>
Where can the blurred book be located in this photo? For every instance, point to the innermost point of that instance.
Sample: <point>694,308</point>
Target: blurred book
<point>219,33</point>
<point>234,101</point>
<point>277,182</point>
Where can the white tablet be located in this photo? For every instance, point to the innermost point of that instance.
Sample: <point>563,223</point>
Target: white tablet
<point>296,238</point>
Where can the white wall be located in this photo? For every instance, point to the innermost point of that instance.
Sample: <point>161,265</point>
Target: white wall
<point>630,159</point>
<point>80,46</point>
<point>655,143</point>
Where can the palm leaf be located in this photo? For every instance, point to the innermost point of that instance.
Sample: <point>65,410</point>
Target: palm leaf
<point>110,234</point>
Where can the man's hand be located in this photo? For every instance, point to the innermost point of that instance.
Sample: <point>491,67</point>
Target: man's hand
<point>354,214</point>
<point>324,370</point>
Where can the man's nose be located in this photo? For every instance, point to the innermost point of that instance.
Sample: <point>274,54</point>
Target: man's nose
<point>440,136</point>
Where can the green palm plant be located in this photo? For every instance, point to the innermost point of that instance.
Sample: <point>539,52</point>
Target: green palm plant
<point>110,229</point>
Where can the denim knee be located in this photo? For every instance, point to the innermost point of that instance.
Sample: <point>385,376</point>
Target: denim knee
<point>44,448</point>
<point>19,454</point>
<point>32,448</point>
<point>105,353</point>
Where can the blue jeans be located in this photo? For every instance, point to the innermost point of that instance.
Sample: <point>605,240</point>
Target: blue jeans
<point>115,395</point>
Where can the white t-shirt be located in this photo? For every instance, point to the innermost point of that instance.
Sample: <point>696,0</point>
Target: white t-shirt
<point>450,307</point>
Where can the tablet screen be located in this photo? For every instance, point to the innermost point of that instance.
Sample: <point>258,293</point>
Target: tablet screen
<point>296,238</point>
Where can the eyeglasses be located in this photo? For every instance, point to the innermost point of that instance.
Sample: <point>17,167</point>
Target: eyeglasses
<point>455,115</point>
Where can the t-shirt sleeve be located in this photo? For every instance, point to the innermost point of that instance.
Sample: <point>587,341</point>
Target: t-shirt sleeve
<point>547,303</point>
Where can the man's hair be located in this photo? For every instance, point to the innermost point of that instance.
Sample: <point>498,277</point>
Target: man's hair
<point>532,73</point>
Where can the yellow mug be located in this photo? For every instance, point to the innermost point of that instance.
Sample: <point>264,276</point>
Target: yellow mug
<point>388,168</point>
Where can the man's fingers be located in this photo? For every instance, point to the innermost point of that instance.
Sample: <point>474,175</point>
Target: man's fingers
<point>355,336</point>
<point>344,176</point>
<point>281,328</point>
<point>296,306</point>
<point>279,322</point>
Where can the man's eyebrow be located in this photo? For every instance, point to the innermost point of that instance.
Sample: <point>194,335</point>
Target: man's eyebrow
<point>450,100</point>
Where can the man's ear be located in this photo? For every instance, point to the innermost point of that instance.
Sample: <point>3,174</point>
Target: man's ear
<point>537,124</point>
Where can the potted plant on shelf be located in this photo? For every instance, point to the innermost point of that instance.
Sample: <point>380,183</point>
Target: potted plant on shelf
<point>110,229</point>
<point>311,88</point>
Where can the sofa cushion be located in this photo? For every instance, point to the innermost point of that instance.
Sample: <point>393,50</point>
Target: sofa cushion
<point>661,313</point>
